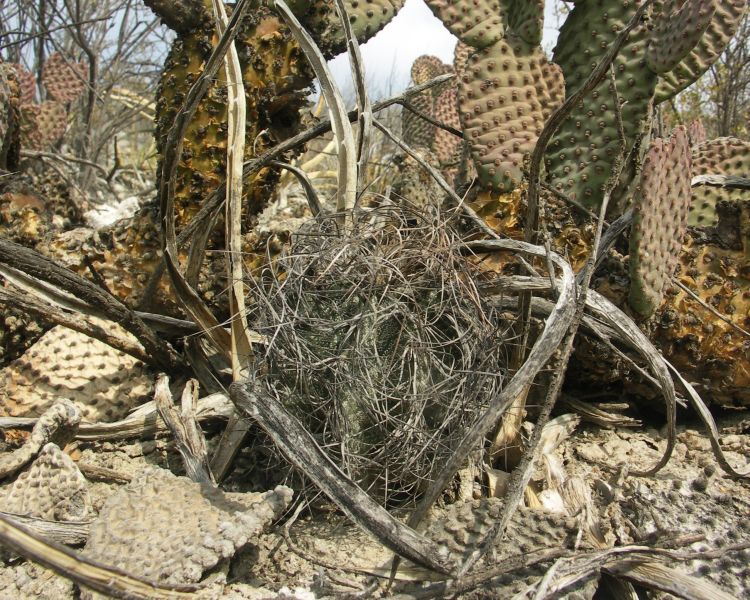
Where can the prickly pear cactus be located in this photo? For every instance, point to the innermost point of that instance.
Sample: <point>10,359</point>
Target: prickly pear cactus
<point>447,146</point>
<point>42,125</point>
<point>526,18</point>
<point>660,220</point>
<point>704,347</point>
<point>417,132</point>
<point>441,104</point>
<point>64,80</point>
<point>479,24</point>
<point>506,93</point>
<point>722,156</point>
<point>724,22</point>
<point>275,74</point>
<point>679,28</point>
<point>367,18</point>
<point>507,88</point>
<point>581,156</point>
<point>276,78</point>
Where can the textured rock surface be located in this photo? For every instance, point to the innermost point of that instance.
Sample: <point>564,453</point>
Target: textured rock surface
<point>690,496</point>
<point>171,530</point>
<point>64,364</point>
<point>51,488</point>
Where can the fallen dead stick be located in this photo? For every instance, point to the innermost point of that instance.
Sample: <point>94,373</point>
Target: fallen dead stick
<point>144,421</point>
<point>83,570</point>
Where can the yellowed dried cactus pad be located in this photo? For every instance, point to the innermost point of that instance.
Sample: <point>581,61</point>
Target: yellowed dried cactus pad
<point>102,381</point>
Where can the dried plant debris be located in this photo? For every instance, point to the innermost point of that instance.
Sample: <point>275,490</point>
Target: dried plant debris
<point>690,497</point>
<point>171,530</point>
<point>102,381</point>
<point>58,424</point>
<point>51,488</point>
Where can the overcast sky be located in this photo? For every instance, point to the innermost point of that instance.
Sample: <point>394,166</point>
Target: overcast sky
<point>413,32</point>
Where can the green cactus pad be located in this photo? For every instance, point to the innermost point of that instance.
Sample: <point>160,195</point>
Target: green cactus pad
<point>505,96</point>
<point>678,28</point>
<point>446,146</point>
<point>367,18</point>
<point>723,25</point>
<point>63,79</point>
<point>414,129</point>
<point>722,156</point>
<point>582,153</point>
<point>660,220</point>
<point>479,23</point>
<point>526,18</point>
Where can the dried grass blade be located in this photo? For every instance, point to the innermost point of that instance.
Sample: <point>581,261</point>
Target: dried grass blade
<point>629,332</point>
<point>364,106</point>
<point>83,570</point>
<point>187,296</point>
<point>236,112</point>
<point>342,129</point>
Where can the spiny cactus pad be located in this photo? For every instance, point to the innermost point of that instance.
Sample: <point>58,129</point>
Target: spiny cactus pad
<point>526,18</point>
<point>65,364</point>
<point>707,349</point>
<point>479,23</point>
<point>722,156</point>
<point>447,147</point>
<point>64,79</point>
<point>42,125</point>
<point>506,94</point>
<point>27,84</point>
<point>276,76</point>
<point>414,129</point>
<point>51,488</point>
<point>678,29</point>
<point>582,153</point>
<point>660,220</point>
<point>712,43</point>
<point>366,16</point>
